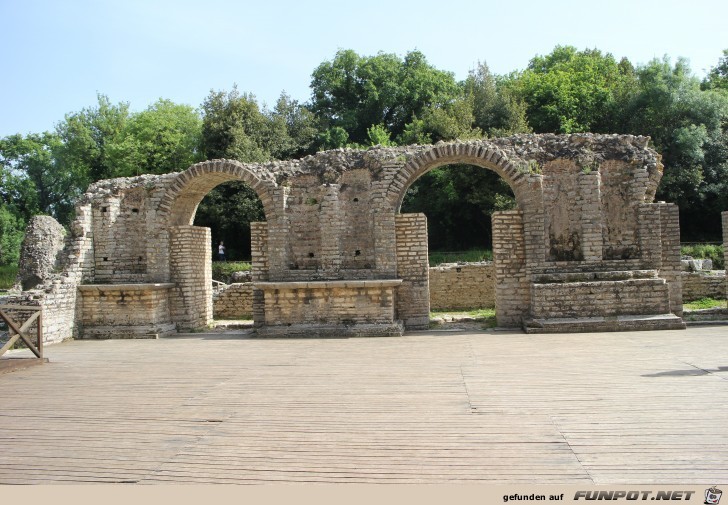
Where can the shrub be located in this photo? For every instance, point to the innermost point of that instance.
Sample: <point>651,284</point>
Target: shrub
<point>222,270</point>
<point>712,252</point>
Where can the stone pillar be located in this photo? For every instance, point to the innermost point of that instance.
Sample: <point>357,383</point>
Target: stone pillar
<point>413,296</point>
<point>590,211</point>
<point>190,263</point>
<point>725,248</point>
<point>259,248</point>
<point>330,222</point>
<point>512,292</point>
<point>649,235</point>
<point>671,269</point>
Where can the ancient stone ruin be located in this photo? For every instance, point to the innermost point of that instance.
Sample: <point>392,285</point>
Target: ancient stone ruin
<point>587,248</point>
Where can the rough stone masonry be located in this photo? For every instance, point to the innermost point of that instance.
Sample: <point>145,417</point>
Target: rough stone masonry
<point>586,249</point>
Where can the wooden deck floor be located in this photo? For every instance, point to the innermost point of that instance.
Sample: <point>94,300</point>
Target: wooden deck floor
<point>642,407</point>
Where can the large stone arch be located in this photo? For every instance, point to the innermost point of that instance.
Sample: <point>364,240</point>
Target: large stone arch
<point>482,154</point>
<point>181,200</point>
<point>189,247</point>
<point>509,229</point>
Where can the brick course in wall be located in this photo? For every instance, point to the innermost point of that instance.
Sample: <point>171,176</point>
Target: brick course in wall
<point>191,272</point>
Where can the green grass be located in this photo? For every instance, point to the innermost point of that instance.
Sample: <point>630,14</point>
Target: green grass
<point>486,316</point>
<point>474,255</point>
<point>222,270</point>
<point>704,303</point>
<point>7,276</point>
<point>705,251</point>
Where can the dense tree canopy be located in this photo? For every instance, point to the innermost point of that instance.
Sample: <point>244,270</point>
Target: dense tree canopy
<point>359,101</point>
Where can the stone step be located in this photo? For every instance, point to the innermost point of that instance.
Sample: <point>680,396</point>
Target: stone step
<point>611,323</point>
<point>612,275</point>
<point>600,298</point>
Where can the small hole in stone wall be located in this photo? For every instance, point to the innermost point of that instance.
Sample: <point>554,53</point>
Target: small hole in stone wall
<point>140,259</point>
<point>106,259</point>
<point>104,209</point>
<point>357,253</point>
<point>356,199</point>
<point>310,255</point>
<point>135,211</point>
<point>458,269</point>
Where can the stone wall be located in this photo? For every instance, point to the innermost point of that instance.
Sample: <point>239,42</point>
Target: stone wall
<point>462,286</point>
<point>125,311</point>
<point>584,206</point>
<point>234,301</point>
<point>707,284</point>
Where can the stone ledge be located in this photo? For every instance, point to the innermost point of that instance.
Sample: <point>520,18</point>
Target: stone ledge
<point>605,324</point>
<point>126,287</point>
<point>331,331</point>
<point>126,332</point>
<point>384,283</point>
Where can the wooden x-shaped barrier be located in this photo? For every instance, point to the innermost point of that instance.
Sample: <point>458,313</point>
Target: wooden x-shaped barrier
<point>18,332</point>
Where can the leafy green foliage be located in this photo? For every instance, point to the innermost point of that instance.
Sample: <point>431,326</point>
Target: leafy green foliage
<point>223,270</point>
<point>162,139</point>
<point>573,91</point>
<point>228,211</point>
<point>713,252</point>
<point>12,231</point>
<point>355,92</point>
<point>717,78</point>
<point>8,274</point>
<point>458,201</point>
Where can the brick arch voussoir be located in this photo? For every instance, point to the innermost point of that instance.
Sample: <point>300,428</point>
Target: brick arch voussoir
<point>173,210</point>
<point>479,154</point>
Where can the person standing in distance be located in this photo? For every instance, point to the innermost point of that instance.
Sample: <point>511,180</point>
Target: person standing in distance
<point>221,252</point>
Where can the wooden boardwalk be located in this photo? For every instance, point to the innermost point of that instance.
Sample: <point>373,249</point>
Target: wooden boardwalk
<point>430,407</point>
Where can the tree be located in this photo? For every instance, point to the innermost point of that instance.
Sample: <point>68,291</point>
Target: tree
<point>11,236</point>
<point>34,178</point>
<point>570,91</point>
<point>164,138</point>
<point>717,78</point>
<point>86,136</point>
<point>496,112</point>
<point>292,129</point>
<point>233,127</point>
<point>355,92</point>
<point>689,128</point>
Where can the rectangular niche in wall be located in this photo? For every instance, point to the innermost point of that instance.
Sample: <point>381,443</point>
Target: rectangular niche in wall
<point>620,198</point>
<point>357,234</point>
<point>303,213</point>
<point>561,200</point>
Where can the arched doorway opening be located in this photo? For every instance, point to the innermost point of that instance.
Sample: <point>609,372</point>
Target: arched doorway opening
<point>508,273</point>
<point>191,240</point>
<point>458,201</point>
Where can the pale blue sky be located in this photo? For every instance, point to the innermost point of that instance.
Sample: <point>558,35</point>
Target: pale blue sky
<point>56,55</point>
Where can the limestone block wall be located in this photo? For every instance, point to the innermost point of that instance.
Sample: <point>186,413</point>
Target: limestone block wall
<point>462,286</point>
<point>125,310</point>
<point>600,298</point>
<point>512,283</point>
<point>706,284</point>
<point>233,302</point>
<point>413,299</point>
<point>190,258</point>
